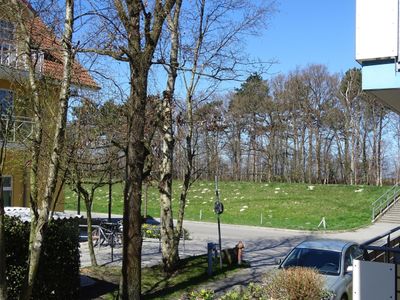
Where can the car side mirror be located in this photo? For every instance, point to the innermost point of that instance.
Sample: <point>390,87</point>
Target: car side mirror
<point>278,261</point>
<point>349,269</point>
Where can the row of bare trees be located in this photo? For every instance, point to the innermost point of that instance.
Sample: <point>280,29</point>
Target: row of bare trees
<point>307,126</point>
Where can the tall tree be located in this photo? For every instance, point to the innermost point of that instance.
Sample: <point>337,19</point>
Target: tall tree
<point>169,242</point>
<point>41,204</point>
<point>132,36</point>
<point>253,100</point>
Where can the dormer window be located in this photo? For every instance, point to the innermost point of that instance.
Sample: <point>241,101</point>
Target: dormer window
<point>8,53</point>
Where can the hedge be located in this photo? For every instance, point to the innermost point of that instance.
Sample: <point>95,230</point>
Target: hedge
<point>58,274</point>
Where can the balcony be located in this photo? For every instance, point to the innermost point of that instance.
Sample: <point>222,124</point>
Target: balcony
<point>9,58</point>
<point>17,130</point>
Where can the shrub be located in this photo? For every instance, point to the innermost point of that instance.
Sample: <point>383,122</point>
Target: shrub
<point>202,294</point>
<point>294,283</point>
<point>153,232</point>
<point>58,274</point>
<point>252,291</point>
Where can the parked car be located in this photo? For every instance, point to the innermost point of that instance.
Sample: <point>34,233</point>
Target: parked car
<point>332,258</point>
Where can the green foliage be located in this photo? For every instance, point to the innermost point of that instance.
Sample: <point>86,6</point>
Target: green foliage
<point>151,231</point>
<point>58,275</point>
<point>202,294</point>
<point>252,291</point>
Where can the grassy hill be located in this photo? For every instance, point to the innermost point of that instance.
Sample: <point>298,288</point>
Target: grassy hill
<point>280,205</point>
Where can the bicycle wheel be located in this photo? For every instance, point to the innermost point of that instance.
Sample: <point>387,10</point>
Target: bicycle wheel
<point>118,239</point>
<point>95,236</point>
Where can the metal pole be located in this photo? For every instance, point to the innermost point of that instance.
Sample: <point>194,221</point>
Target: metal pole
<point>220,243</point>
<point>79,203</point>
<point>109,195</point>
<point>219,224</point>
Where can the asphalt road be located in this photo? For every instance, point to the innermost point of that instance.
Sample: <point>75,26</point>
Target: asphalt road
<point>263,246</point>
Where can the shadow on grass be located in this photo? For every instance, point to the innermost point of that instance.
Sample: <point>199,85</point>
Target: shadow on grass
<point>98,289</point>
<point>191,272</point>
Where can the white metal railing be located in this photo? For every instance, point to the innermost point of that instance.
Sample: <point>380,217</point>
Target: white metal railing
<point>9,57</point>
<point>15,129</point>
<point>384,201</point>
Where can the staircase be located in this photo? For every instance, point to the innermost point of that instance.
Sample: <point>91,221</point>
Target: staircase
<point>387,207</point>
<point>392,214</point>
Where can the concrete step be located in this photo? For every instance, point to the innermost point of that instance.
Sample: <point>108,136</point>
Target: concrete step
<point>392,215</point>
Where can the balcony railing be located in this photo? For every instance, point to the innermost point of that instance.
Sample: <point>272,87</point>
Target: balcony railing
<point>15,129</point>
<point>9,57</point>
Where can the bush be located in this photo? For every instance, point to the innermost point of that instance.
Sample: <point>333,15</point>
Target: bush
<point>58,274</point>
<point>202,294</point>
<point>150,231</point>
<point>153,232</point>
<point>295,283</point>
<point>252,291</point>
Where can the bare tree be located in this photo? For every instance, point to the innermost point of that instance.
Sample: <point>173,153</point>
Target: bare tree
<point>168,239</point>
<point>42,204</point>
<point>131,35</point>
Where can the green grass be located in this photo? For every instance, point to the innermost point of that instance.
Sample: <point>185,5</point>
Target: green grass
<point>280,205</point>
<point>190,275</point>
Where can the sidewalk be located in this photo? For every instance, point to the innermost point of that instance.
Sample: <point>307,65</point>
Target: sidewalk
<point>263,247</point>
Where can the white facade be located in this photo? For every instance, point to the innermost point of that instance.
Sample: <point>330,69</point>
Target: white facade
<point>377,29</point>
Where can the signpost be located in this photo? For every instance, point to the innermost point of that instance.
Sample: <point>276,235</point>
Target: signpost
<point>218,209</point>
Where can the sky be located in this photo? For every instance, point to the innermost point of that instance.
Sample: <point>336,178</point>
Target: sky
<point>300,32</point>
<point>308,31</point>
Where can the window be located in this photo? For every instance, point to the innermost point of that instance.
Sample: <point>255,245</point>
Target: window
<point>7,190</point>
<point>8,52</point>
<point>6,102</point>
<point>6,31</point>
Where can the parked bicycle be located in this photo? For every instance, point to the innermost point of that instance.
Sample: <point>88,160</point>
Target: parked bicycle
<point>109,234</point>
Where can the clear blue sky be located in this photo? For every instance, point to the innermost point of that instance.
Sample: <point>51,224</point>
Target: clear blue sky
<point>309,31</point>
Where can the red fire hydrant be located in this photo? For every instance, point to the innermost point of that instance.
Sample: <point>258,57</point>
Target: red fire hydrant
<point>240,250</point>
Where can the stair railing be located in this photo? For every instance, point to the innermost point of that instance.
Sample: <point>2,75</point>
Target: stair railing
<point>384,201</point>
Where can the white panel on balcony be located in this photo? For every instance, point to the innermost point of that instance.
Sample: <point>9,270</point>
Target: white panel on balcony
<point>373,280</point>
<point>376,29</point>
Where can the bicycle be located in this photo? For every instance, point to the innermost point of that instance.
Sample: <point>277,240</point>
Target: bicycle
<point>107,234</point>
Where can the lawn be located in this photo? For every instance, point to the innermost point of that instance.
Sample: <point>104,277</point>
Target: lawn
<point>280,205</point>
<point>191,275</point>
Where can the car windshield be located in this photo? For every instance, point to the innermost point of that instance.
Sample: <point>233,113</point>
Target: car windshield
<point>325,261</point>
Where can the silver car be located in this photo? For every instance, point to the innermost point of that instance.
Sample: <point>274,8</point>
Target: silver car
<point>332,258</point>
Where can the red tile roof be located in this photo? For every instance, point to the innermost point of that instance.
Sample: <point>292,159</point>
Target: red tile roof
<point>46,41</point>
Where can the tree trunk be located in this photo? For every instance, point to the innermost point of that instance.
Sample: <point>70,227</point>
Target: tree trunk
<point>310,155</point>
<point>41,218</point>
<point>88,203</point>
<point>169,255</point>
<point>318,154</point>
<point>169,247</point>
<point>134,164</point>
<point>3,282</point>
<point>379,149</point>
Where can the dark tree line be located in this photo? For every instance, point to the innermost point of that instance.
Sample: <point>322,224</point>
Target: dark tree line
<point>307,126</point>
